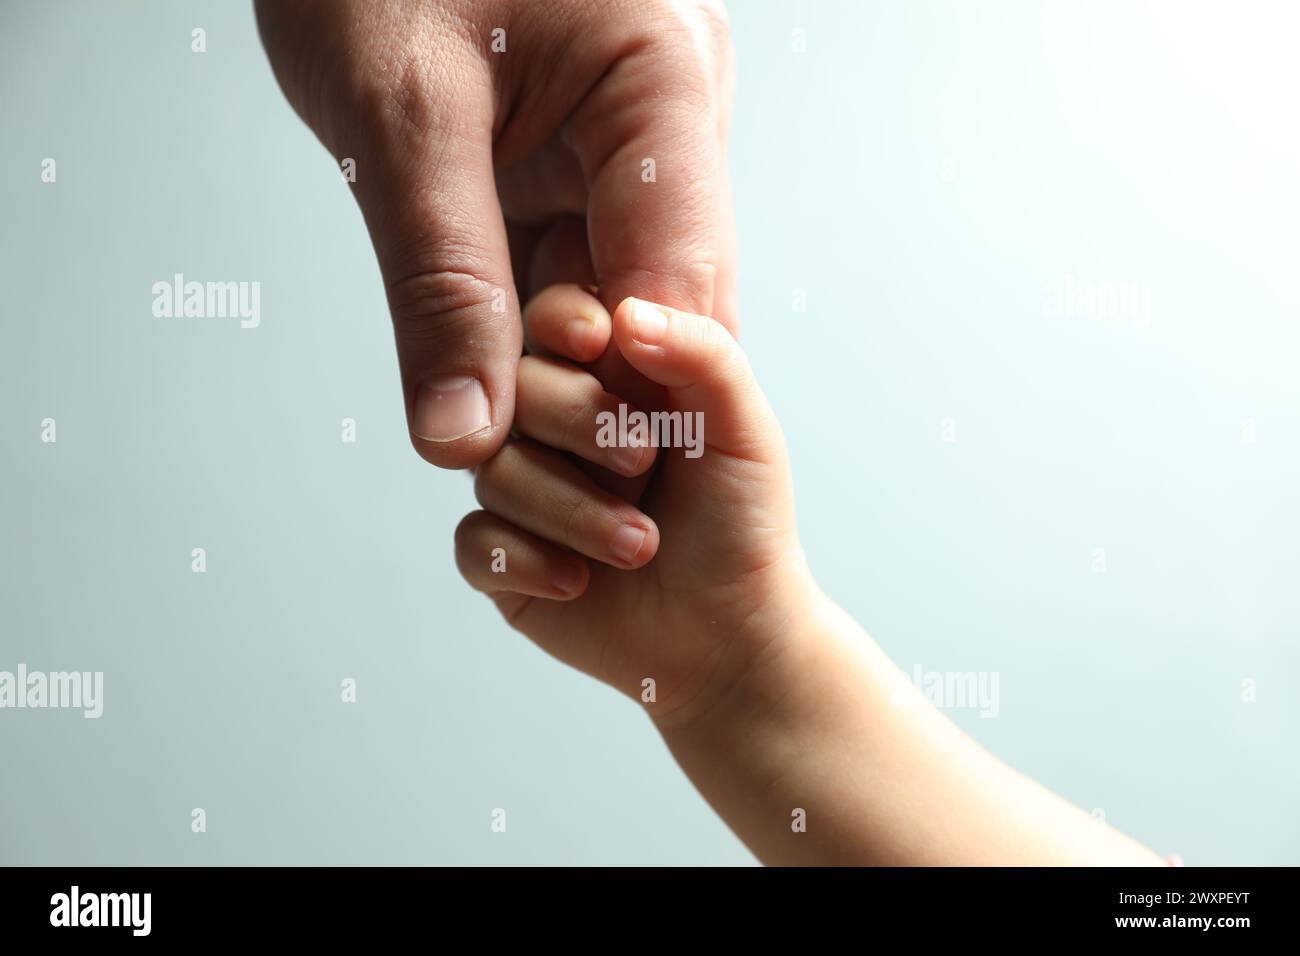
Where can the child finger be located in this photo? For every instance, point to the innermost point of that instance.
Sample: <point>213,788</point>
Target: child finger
<point>568,321</point>
<point>495,556</point>
<point>540,490</point>
<point>564,407</point>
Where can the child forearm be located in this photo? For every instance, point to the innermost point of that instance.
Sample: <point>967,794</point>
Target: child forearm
<point>825,754</point>
<point>788,718</point>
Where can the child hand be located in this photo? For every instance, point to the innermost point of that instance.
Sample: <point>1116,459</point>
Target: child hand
<point>794,725</point>
<point>689,589</point>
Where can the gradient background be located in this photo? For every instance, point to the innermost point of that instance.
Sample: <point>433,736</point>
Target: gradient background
<point>922,171</point>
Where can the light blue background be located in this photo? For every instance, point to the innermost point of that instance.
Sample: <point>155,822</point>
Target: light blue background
<point>922,171</point>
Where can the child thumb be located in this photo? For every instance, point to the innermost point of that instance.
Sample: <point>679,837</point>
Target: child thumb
<point>704,370</point>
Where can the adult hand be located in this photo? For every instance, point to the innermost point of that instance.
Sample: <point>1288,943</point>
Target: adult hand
<point>504,145</point>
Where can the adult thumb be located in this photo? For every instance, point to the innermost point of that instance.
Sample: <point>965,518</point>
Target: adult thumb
<point>430,203</point>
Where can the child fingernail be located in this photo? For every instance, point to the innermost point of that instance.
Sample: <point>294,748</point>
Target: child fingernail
<point>449,408</point>
<point>648,323</point>
<point>580,335</point>
<point>627,543</point>
<point>567,579</point>
<point>626,458</point>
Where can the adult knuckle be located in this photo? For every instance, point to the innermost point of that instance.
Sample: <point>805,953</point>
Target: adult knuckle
<point>716,22</point>
<point>693,38</point>
<point>421,301</point>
